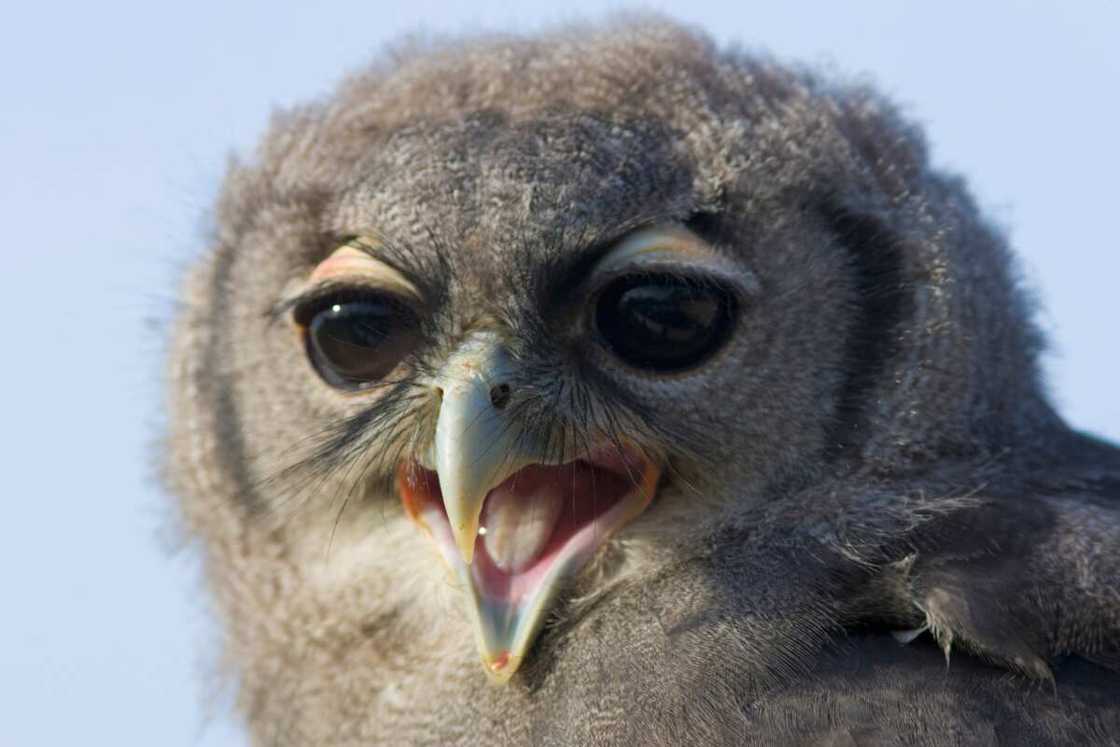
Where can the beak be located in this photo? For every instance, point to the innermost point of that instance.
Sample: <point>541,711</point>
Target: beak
<point>511,525</point>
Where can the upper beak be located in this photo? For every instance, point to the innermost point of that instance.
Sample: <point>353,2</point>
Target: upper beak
<point>476,447</point>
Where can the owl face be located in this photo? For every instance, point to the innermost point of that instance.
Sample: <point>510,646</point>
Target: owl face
<point>528,339</point>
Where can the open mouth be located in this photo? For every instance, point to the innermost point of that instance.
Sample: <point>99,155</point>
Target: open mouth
<point>536,528</point>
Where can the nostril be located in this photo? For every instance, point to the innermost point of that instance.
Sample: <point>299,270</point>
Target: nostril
<point>499,395</point>
<point>439,392</point>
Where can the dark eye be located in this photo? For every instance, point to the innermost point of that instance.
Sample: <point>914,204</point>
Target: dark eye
<point>354,343</point>
<point>664,323</point>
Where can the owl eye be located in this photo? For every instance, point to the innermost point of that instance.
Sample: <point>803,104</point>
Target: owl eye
<point>664,323</point>
<point>354,343</point>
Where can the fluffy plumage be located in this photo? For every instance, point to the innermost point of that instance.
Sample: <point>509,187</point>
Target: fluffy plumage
<point>872,452</point>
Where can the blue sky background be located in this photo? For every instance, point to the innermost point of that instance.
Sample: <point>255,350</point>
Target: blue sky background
<point>115,122</point>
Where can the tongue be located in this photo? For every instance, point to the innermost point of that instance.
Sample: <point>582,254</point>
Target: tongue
<point>518,523</point>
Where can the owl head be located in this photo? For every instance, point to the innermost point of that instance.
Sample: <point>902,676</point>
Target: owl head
<point>505,324</point>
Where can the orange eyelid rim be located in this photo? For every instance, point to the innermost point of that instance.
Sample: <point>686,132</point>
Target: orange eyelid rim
<point>669,247</point>
<point>659,242</point>
<point>349,262</point>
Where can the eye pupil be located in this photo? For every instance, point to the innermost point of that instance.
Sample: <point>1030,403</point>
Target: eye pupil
<point>664,323</point>
<point>354,344</point>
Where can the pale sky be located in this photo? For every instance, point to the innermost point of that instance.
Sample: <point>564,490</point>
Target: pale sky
<point>116,121</point>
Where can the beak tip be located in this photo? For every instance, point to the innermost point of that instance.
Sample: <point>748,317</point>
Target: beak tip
<point>464,540</point>
<point>502,667</point>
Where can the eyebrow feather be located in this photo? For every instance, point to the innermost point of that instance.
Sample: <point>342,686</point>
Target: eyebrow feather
<point>566,265</point>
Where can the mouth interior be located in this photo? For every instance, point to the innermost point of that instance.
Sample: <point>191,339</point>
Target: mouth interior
<point>566,510</point>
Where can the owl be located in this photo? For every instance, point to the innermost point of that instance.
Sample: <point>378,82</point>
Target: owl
<point>605,386</point>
